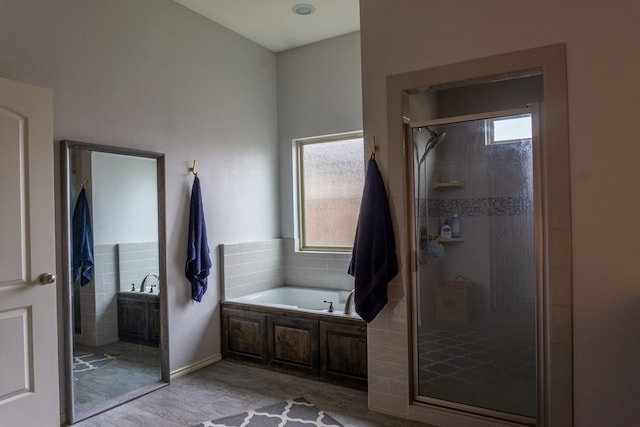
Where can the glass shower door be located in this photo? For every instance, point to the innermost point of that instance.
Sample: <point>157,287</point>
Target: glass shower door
<point>475,284</point>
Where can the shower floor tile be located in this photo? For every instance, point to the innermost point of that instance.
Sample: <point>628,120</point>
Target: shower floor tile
<point>483,368</point>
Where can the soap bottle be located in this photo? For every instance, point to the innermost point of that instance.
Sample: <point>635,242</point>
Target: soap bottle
<point>445,232</point>
<point>455,226</point>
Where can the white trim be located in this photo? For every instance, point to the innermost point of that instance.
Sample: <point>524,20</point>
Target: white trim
<point>471,117</point>
<point>299,189</point>
<point>195,366</point>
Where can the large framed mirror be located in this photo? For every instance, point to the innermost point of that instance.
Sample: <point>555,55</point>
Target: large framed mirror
<point>115,306</point>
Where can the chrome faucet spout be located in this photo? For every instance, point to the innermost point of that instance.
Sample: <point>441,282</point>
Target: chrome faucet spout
<point>142,287</point>
<point>348,306</point>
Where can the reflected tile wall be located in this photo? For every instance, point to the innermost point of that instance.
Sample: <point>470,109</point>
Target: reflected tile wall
<point>98,300</point>
<point>135,262</point>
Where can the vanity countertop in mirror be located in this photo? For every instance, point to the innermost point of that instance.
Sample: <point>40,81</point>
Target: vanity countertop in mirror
<point>147,296</point>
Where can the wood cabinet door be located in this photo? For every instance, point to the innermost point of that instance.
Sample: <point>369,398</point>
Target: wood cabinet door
<point>293,344</point>
<point>132,320</point>
<point>343,353</point>
<point>243,335</point>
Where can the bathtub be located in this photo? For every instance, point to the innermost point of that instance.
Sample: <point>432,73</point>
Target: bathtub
<point>298,298</point>
<point>290,329</point>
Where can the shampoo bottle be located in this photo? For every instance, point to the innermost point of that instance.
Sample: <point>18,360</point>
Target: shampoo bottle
<point>445,232</point>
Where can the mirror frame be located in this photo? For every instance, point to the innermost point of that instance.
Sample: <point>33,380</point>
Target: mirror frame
<point>66,146</point>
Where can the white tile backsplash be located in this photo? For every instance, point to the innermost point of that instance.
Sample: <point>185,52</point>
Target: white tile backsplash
<point>250,267</point>
<point>135,262</point>
<point>254,266</point>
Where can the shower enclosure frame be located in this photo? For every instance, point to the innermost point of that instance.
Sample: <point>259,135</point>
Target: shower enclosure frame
<point>539,284</point>
<point>555,408</point>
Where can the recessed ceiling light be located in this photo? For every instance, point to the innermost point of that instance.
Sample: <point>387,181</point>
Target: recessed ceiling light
<point>303,9</point>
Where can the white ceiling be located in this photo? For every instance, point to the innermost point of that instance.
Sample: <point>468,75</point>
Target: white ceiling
<point>272,24</point>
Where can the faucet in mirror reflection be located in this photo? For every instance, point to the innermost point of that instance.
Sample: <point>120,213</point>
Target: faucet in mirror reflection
<point>348,306</point>
<point>144,283</point>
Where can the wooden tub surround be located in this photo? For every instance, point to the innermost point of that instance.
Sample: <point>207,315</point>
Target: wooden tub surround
<point>326,346</point>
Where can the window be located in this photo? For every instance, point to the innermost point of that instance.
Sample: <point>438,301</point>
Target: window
<point>330,182</point>
<point>505,130</point>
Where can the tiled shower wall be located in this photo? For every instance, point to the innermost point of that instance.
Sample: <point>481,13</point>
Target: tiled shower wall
<point>256,266</point>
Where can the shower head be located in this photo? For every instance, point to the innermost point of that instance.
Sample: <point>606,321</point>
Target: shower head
<point>432,133</point>
<point>434,141</point>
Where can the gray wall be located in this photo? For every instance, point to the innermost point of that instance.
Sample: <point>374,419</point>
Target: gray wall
<point>153,75</point>
<point>319,93</point>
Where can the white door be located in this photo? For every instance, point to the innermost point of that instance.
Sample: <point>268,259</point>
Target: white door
<point>29,394</point>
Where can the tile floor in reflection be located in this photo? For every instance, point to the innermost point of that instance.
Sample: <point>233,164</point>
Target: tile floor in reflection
<point>122,367</point>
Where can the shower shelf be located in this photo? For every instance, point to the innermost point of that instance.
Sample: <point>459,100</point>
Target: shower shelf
<point>449,184</point>
<point>450,239</point>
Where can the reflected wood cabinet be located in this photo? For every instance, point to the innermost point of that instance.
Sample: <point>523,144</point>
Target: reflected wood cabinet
<point>139,319</point>
<point>327,347</point>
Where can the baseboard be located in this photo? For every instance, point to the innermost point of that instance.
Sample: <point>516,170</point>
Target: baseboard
<point>195,366</point>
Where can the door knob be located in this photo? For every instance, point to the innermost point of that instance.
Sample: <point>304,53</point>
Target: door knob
<point>46,278</point>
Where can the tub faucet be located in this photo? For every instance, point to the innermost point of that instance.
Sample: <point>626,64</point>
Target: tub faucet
<point>330,305</point>
<point>145,280</point>
<point>348,306</point>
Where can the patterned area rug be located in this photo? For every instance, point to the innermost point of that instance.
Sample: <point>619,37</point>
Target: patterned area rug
<point>84,363</point>
<point>290,413</point>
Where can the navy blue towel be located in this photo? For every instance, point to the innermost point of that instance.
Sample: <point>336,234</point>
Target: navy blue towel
<point>373,261</point>
<point>198,260</point>
<point>82,248</point>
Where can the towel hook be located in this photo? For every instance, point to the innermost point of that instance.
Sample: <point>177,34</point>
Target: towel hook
<point>374,148</point>
<point>192,169</point>
<point>84,183</point>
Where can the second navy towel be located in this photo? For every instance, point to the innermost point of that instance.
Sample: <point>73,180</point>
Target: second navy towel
<point>373,261</point>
